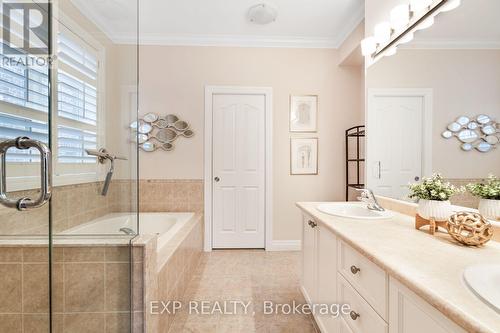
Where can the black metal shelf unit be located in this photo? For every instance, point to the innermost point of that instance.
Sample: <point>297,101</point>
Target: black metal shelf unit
<point>356,134</point>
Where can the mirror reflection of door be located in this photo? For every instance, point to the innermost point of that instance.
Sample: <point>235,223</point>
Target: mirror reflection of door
<point>396,122</point>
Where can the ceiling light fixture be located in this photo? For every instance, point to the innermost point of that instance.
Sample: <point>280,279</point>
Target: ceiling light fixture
<point>262,13</point>
<point>420,6</point>
<point>400,17</point>
<point>405,19</point>
<point>382,32</point>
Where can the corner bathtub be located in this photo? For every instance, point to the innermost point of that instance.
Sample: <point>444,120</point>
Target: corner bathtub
<point>164,225</point>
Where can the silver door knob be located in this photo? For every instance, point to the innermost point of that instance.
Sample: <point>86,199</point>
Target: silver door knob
<point>417,178</point>
<point>354,315</point>
<point>217,179</point>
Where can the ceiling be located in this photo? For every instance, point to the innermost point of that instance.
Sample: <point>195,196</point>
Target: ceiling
<point>300,23</point>
<point>473,24</point>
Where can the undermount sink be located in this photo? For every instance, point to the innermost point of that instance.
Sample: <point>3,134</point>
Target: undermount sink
<point>484,280</point>
<point>353,210</point>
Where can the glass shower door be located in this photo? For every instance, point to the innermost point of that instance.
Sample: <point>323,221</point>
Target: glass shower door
<point>68,92</point>
<point>94,210</point>
<point>25,163</point>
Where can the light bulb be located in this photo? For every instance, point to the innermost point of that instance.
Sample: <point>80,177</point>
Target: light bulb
<point>400,17</point>
<point>390,52</point>
<point>427,23</point>
<point>406,38</point>
<point>450,5</point>
<point>382,32</point>
<point>368,46</point>
<point>418,6</point>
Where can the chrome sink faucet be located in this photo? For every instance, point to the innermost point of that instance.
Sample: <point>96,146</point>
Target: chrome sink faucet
<point>368,197</point>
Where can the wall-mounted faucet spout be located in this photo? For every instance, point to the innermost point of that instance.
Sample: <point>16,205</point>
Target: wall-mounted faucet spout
<point>103,156</point>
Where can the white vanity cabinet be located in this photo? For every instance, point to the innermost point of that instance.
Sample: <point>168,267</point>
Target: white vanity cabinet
<point>408,313</point>
<point>309,260</point>
<point>319,269</point>
<point>335,273</point>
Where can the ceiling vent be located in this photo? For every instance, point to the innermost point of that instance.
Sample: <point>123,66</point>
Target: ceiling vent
<point>262,14</point>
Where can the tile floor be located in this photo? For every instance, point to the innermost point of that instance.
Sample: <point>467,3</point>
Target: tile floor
<point>250,276</point>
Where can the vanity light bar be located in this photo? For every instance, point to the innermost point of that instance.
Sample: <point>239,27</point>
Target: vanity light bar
<point>384,43</point>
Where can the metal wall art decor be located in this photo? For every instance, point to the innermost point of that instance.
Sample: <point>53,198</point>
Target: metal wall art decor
<point>154,132</point>
<point>481,133</point>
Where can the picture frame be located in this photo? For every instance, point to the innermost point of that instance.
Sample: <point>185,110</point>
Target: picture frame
<point>304,113</point>
<point>304,156</point>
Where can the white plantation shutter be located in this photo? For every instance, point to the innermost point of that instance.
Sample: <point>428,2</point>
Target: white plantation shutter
<point>12,127</point>
<point>24,103</point>
<point>77,99</point>
<point>24,85</point>
<point>72,143</point>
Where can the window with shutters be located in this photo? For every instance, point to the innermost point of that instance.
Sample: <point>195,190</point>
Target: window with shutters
<point>75,110</point>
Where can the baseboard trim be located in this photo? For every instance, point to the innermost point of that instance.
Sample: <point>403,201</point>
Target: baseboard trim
<point>285,245</point>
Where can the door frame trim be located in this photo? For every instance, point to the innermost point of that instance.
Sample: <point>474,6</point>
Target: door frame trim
<point>210,91</point>
<point>427,95</point>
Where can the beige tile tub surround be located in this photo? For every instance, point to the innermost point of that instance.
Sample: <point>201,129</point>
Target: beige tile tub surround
<point>176,195</point>
<point>90,289</point>
<point>430,266</point>
<point>72,205</point>
<point>163,276</point>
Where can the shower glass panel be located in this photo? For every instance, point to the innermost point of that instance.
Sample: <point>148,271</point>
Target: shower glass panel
<point>24,123</point>
<point>68,86</point>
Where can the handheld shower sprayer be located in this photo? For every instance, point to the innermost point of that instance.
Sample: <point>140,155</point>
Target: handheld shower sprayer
<point>102,156</point>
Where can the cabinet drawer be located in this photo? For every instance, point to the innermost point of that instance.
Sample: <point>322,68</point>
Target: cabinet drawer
<point>368,279</point>
<point>368,321</point>
<point>343,327</point>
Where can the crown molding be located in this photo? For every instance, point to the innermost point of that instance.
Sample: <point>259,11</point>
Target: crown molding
<point>452,45</point>
<point>224,40</point>
<point>228,41</point>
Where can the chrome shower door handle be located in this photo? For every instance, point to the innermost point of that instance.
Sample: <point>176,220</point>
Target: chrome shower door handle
<point>24,143</point>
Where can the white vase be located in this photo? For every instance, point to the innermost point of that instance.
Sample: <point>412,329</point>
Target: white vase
<point>490,209</point>
<point>438,210</point>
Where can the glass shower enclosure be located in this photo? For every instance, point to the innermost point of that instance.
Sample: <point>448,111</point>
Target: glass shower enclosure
<point>68,165</point>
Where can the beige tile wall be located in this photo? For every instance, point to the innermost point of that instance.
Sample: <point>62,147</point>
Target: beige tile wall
<point>77,204</point>
<point>90,289</point>
<point>163,195</point>
<point>166,278</point>
<point>72,205</point>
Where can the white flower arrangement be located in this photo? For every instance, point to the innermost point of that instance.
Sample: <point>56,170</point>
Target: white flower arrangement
<point>489,190</point>
<point>433,188</point>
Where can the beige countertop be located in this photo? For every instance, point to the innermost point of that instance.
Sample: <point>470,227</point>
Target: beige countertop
<point>431,266</point>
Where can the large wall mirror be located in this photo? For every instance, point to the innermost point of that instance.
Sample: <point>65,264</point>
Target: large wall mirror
<point>433,106</point>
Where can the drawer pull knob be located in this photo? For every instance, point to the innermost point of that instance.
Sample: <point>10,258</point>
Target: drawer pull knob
<point>354,269</point>
<point>354,315</point>
<point>313,224</point>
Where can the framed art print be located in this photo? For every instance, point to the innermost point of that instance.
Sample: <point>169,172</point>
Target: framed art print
<point>303,113</point>
<point>304,156</point>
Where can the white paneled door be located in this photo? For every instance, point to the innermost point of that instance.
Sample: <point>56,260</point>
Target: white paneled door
<point>238,197</point>
<point>395,141</point>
